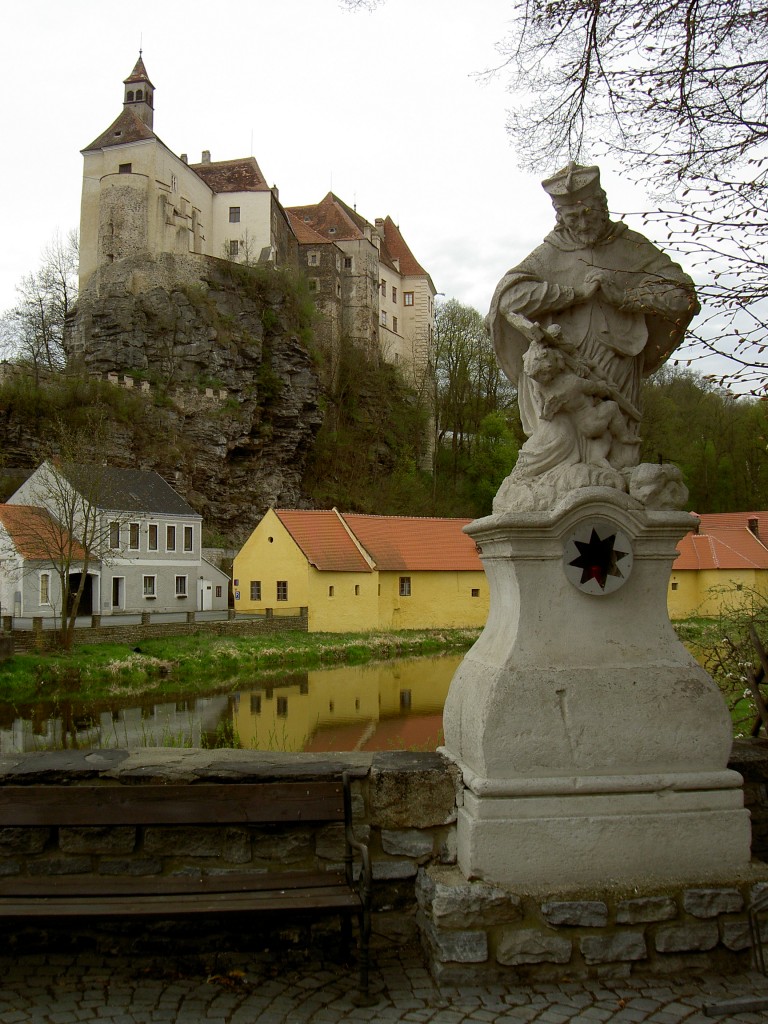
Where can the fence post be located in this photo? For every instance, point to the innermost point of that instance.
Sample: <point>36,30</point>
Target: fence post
<point>95,621</point>
<point>8,622</point>
<point>146,618</point>
<point>190,616</point>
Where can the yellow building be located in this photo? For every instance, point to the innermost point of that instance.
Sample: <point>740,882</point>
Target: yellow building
<point>725,559</point>
<point>357,572</point>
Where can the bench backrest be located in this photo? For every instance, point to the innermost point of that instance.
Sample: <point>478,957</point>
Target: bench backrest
<point>153,804</point>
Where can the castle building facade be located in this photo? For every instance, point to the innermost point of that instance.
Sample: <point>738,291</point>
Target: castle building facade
<point>141,199</point>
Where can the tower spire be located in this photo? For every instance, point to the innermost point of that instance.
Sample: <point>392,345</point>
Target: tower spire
<point>139,92</point>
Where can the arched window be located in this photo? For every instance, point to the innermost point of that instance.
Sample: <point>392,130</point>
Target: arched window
<point>129,97</point>
<point>139,94</point>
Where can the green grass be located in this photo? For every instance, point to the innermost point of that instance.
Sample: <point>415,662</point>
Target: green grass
<point>202,663</point>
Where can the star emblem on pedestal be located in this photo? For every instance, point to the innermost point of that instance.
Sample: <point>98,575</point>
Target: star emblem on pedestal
<point>598,559</point>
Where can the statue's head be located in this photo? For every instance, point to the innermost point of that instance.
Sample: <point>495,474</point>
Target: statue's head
<point>579,201</point>
<point>543,363</point>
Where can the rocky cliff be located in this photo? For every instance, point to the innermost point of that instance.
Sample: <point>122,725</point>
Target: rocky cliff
<point>224,392</point>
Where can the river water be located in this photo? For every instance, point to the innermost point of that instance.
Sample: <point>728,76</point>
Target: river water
<point>391,705</point>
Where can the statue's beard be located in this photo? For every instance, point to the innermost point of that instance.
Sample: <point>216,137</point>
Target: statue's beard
<point>592,237</point>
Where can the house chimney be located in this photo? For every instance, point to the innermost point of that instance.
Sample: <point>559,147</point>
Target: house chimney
<point>752,523</point>
<point>206,156</point>
<point>184,158</point>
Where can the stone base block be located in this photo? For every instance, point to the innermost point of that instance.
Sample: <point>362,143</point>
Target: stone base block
<point>477,933</point>
<point>553,842</point>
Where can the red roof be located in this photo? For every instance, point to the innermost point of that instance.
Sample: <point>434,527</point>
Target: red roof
<point>324,540</point>
<point>36,535</point>
<point>127,127</point>
<point>725,541</point>
<point>394,543</point>
<point>139,73</point>
<point>331,218</point>
<point>243,175</point>
<point>305,234</point>
<point>398,248</point>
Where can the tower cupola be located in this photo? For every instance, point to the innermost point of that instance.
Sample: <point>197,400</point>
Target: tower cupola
<point>140,93</point>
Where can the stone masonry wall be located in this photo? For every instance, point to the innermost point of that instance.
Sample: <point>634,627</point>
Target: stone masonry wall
<point>28,640</point>
<point>404,805</point>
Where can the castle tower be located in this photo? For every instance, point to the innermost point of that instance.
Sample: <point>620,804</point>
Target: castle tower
<point>139,93</point>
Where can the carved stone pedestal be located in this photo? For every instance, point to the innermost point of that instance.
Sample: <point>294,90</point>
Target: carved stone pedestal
<point>593,746</point>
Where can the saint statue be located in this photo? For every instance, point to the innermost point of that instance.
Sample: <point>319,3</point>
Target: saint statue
<point>575,327</point>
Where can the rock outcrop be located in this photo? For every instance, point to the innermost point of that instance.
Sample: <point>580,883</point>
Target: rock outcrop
<point>225,392</point>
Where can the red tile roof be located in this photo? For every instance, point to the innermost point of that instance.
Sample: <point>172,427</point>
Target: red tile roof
<point>36,535</point>
<point>332,219</point>
<point>414,543</point>
<point>128,127</point>
<point>322,537</point>
<point>243,175</point>
<point>397,248</point>
<point>724,541</point>
<point>394,543</point>
<point>305,234</point>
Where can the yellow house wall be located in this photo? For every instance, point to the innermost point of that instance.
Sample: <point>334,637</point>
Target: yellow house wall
<point>343,610</point>
<point>707,592</point>
<point>269,561</point>
<point>438,599</point>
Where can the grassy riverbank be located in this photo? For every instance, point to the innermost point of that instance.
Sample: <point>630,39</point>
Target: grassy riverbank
<point>203,662</point>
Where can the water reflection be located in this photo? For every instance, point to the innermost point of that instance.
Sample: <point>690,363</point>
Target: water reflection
<point>389,705</point>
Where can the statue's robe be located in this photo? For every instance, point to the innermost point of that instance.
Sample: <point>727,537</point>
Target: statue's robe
<point>622,342</point>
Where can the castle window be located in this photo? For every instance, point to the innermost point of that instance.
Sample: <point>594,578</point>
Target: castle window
<point>408,298</point>
<point>314,284</point>
<point>139,94</point>
<point>234,247</point>
<point>174,183</point>
<point>312,259</point>
<point>347,262</point>
<point>125,169</point>
<point>383,318</point>
<point>234,215</point>
<point>394,324</point>
<point>475,592</point>
<point>129,97</point>
<point>394,294</point>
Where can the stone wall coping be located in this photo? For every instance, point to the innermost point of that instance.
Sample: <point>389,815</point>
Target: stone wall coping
<point>170,764</point>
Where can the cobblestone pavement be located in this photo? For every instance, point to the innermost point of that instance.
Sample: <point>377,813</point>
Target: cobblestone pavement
<point>59,989</point>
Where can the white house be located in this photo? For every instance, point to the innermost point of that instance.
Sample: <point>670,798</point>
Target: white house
<point>143,543</point>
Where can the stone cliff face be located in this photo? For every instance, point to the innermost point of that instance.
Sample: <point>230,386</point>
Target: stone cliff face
<point>227,392</point>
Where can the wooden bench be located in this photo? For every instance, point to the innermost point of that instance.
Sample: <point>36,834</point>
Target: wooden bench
<point>169,895</point>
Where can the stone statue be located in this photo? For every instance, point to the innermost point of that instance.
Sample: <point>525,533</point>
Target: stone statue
<point>576,326</point>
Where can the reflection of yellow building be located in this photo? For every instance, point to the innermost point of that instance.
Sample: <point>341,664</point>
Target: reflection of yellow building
<point>352,698</point>
<point>722,565</point>
<point>356,572</point>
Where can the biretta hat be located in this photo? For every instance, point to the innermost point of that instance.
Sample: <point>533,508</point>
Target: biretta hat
<point>572,184</point>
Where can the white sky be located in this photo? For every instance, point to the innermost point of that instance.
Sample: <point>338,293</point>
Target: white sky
<point>382,107</point>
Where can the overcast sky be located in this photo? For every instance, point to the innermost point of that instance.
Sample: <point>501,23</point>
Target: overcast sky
<point>382,107</point>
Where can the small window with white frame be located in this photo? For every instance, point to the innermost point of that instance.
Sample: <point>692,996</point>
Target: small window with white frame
<point>150,587</point>
<point>152,537</point>
<point>181,586</point>
<point>234,215</point>
<point>133,536</point>
<point>114,536</point>
<point>407,298</point>
<point>313,259</point>
<point>45,588</point>
<point>189,538</point>
<point>405,586</point>
<point>170,538</point>
<point>234,247</point>
<point>383,318</point>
